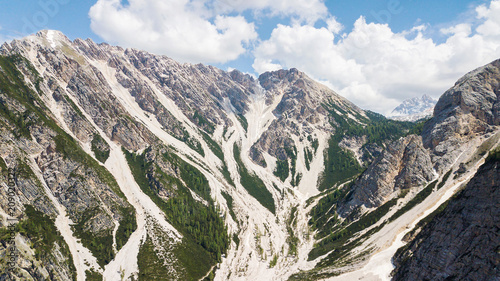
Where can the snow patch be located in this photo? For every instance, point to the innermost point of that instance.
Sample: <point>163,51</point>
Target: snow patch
<point>50,37</point>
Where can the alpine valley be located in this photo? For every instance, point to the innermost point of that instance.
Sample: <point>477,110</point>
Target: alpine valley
<point>119,164</point>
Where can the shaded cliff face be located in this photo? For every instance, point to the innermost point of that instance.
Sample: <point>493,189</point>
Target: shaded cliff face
<point>462,242</point>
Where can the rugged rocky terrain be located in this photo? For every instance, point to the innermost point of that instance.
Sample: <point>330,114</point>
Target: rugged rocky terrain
<point>127,165</point>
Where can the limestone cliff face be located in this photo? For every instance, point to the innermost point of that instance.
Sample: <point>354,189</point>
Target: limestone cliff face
<point>462,242</point>
<point>403,165</point>
<point>468,109</point>
<point>89,72</point>
<point>198,90</point>
<point>69,79</point>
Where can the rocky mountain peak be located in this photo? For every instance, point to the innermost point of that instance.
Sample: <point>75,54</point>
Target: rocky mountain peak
<point>273,78</point>
<point>299,108</point>
<point>52,38</point>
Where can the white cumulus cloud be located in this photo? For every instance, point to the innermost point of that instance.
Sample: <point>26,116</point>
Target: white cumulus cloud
<point>377,68</point>
<point>184,30</point>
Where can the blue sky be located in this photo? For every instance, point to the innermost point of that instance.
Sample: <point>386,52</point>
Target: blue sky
<point>375,53</point>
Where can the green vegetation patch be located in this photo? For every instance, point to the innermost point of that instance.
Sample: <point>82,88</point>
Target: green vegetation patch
<point>323,215</point>
<point>308,156</point>
<point>217,150</point>
<point>213,145</point>
<point>493,155</point>
<point>229,201</point>
<point>243,121</point>
<point>340,165</point>
<point>100,244</point>
<point>194,144</point>
<point>100,148</point>
<point>282,170</point>
<point>292,240</point>
<point>419,198</point>
<point>91,275</point>
<point>254,185</point>
<point>150,266</point>
<point>292,154</point>
<point>445,178</point>
<point>193,178</point>
<point>195,265</point>
<point>203,122</point>
<point>127,226</point>
<point>43,233</point>
<point>188,265</point>
<point>273,261</point>
<point>379,128</point>
<point>338,238</point>
<point>205,235</point>
<point>418,127</point>
<point>73,105</point>
<point>227,175</point>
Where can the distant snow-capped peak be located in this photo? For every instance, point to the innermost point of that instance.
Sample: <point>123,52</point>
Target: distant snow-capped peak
<point>414,109</point>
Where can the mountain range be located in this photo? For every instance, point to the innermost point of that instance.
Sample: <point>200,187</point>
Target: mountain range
<point>124,165</point>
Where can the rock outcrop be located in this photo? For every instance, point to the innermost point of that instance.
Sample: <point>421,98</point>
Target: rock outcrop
<point>403,165</point>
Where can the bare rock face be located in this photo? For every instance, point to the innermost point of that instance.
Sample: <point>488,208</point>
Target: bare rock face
<point>466,110</point>
<point>404,164</point>
<point>462,242</point>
